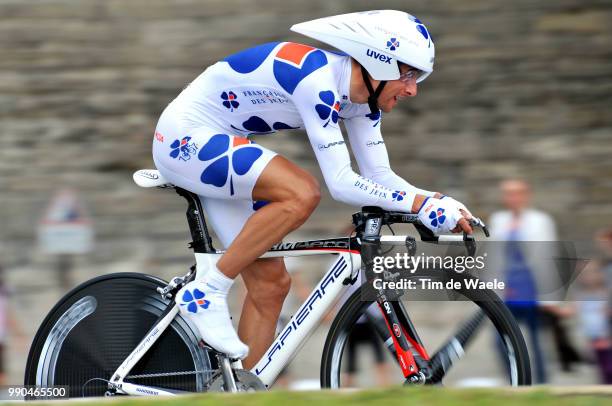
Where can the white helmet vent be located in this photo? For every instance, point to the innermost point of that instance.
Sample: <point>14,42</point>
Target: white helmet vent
<point>365,30</point>
<point>349,27</point>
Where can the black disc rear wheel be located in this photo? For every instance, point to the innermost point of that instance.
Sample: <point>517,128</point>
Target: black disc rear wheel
<point>92,330</point>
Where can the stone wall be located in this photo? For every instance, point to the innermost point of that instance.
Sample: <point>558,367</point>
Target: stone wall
<point>521,88</point>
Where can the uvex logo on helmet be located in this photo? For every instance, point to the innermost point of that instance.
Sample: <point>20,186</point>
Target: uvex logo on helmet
<point>379,56</point>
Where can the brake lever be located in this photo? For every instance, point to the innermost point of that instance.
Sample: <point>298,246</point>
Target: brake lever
<point>476,222</point>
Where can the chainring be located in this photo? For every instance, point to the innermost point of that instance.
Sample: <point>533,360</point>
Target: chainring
<point>246,381</point>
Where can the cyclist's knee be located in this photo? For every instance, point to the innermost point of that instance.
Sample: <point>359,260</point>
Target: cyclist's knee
<point>311,194</point>
<point>306,196</point>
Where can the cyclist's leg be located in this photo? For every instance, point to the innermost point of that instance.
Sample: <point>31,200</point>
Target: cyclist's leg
<point>293,194</point>
<point>266,280</point>
<point>229,167</point>
<point>213,164</point>
<point>268,284</point>
<point>201,163</point>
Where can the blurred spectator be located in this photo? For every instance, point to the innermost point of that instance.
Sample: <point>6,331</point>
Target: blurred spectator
<point>525,236</point>
<point>364,333</point>
<point>604,241</point>
<point>594,306</point>
<point>8,324</point>
<point>3,326</point>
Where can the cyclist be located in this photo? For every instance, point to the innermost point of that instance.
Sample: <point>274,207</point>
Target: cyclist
<point>255,197</point>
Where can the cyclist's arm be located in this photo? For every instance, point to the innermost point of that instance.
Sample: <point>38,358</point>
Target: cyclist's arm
<point>372,157</point>
<point>330,150</point>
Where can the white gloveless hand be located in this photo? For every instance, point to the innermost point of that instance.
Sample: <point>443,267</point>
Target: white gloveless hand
<point>439,215</point>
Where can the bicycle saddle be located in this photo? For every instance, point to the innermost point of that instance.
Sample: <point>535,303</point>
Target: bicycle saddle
<point>150,178</point>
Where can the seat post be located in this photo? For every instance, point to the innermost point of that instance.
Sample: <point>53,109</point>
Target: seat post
<point>201,241</point>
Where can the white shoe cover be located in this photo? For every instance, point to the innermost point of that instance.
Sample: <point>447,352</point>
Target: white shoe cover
<point>206,307</point>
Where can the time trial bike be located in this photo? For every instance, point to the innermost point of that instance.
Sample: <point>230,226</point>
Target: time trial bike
<point>122,333</point>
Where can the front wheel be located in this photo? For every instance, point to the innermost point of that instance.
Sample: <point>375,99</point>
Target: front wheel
<point>92,329</point>
<point>481,324</point>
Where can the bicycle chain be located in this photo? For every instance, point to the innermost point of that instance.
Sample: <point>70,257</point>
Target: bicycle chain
<point>160,374</point>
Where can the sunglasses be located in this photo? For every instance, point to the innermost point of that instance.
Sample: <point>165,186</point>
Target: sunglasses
<point>410,74</point>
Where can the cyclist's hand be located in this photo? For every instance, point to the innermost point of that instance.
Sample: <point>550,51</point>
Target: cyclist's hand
<point>442,216</point>
<point>460,206</point>
<point>462,225</point>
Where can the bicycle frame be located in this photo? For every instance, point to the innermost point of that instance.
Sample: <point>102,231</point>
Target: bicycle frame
<point>295,333</point>
<point>342,273</point>
<point>310,313</point>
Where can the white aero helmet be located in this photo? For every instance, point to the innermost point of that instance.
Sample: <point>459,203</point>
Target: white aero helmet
<point>377,40</point>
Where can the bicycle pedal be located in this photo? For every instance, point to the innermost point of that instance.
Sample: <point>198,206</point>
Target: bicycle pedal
<point>216,353</point>
<point>416,379</point>
<point>207,347</point>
